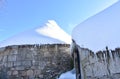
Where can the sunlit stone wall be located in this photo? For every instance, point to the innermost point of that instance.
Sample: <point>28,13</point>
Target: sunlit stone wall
<point>34,61</point>
<point>102,64</point>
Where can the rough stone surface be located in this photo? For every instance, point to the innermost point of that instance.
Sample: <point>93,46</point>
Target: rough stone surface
<point>104,64</point>
<point>34,61</point>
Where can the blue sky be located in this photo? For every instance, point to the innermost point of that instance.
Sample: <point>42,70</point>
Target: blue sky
<point>19,15</point>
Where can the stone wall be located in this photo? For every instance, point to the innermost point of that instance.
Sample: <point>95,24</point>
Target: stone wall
<point>101,65</point>
<point>34,61</point>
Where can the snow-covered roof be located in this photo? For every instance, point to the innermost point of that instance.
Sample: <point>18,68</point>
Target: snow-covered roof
<point>100,30</point>
<point>50,33</point>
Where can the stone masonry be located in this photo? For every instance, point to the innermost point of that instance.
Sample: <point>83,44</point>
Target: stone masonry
<point>103,64</point>
<point>34,61</point>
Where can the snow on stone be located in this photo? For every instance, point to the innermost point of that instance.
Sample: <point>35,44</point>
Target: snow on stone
<point>68,75</point>
<point>100,30</point>
<point>50,33</point>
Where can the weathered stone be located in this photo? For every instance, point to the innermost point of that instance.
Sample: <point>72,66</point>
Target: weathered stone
<point>29,72</point>
<point>9,72</point>
<point>38,57</point>
<point>10,64</point>
<point>47,54</point>
<point>27,63</point>
<point>41,76</point>
<point>12,69</point>
<point>12,58</point>
<point>20,57</point>
<point>20,68</point>
<point>14,51</point>
<point>5,64</point>
<point>37,72</point>
<point>23,73</point>
<point>28,56</point>
<point>1,57</point>
<point>4,59</point>
<point>15,73</point>
<point>34,61</point>
<point>34,67</point>
<point>17,63</point>
<point>98,66</point>
<point>31,77</point>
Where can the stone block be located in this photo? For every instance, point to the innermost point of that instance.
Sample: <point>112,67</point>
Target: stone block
<point>31,77</point>
<point>26,63</point>
<point>4,59</point>
<point>17,63</point>
<point>28,56</point>
<point>38,57</point>
<point>34,67</point>
<point>41,76</point>
<point>9,72</point>
<point>36,63</point>
<point>1,57</point>
<point>9,64</point>
<point>29,72</point>
<point>20,68</point>
<point>14,50</point>
<point>20,57</point>
<point>23,73</point>
<point>12,69</point>
<point>37,72</point>
<point>15,73</point>
<point>5,64</point>
<point>12,58</point>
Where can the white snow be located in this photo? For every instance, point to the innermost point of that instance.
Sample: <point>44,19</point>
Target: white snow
<point>68,75</point>
<point>97,32</point>
<point>50,33</point>
<point>100,30</point>
<point>53,30</point>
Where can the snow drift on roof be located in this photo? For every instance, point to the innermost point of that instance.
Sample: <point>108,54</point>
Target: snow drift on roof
<point>100,30</point>
<point>51,33</point>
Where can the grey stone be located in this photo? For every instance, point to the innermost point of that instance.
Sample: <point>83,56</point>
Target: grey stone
<point>9,64</point>
<point>20,68</point>
<point>15,73</point>
<point>9,72</point>
<point>27,63</point>
<point>17,63</point>
<point>30,73</point>
<point>33,61</point>
<point>12,57</point>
